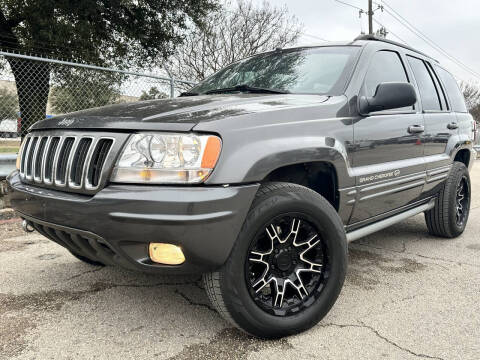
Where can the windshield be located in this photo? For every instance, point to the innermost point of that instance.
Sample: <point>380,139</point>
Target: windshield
<point>321,70</point>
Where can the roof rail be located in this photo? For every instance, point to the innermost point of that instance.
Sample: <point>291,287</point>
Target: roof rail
<point>376,38</point>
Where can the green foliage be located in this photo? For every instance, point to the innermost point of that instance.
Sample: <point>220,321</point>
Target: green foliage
<point>153,93</point>
<point>124,32</point>
<point>121,33</point>
<point>83,90</point>
<point>8,104</point>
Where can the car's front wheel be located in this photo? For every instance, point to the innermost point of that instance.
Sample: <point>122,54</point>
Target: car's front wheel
<point>287,267</point>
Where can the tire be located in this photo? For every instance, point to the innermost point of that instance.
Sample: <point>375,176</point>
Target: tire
<point>230,288</point>
<point>442,220</point>
<point>87,260</point>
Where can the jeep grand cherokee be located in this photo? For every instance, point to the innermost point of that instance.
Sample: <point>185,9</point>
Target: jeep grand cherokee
<point>258,176</point>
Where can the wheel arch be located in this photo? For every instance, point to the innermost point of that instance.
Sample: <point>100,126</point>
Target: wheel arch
<point>463,156</point>
<point>319,176</point>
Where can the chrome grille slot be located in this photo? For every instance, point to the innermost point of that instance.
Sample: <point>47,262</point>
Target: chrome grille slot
<point>77,169</point>
<point>49,160</point>
<point>24,155</point>
<point>69,160</point>
<point>62,164</point>
<point>39,156</point>
<point>31,153</point>
<point>97,162</point>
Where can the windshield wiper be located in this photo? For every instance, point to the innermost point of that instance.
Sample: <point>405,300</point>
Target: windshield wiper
<point>246,88</point>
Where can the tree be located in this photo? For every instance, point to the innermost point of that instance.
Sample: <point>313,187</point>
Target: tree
<point>8,105</point>
<point>153,93</point>
<point>104,32</point>
<point>83,90</point>
<point>475,111</point>
<point>471,92</point>
<point>230,34</point>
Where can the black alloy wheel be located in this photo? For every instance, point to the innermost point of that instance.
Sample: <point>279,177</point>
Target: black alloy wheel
<point>287,266</point>
<point>462,201</point>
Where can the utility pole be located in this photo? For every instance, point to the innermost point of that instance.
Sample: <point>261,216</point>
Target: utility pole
<point>370,17</point>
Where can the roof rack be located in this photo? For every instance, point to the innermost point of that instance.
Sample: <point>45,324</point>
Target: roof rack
<point>376,38</point>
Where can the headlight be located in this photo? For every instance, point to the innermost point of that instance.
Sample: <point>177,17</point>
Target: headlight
<point>17,164</point>
<point>19,154</point>
<point>167,158</point>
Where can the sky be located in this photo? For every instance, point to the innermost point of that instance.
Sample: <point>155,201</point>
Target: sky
<point>453,25</point>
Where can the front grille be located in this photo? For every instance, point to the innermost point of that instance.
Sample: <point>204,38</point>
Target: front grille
<point>79,160</point>
<point>66,161</point>
<point>98,159</point>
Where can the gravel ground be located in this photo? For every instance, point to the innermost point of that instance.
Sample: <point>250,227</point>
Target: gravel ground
<point>407,296</point>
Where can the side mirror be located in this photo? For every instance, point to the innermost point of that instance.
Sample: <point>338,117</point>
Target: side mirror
<point>389,95</point>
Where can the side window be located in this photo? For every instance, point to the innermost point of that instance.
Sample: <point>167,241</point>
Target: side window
<point>438,85</point>
<point>386,66</point>
<point>426,84</point>
<point>457,102</point>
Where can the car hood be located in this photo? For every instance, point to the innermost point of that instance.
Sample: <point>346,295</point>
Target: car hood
<point>177,114</point>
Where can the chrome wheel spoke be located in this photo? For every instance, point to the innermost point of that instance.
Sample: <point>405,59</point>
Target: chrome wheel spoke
<point>260,284</point>
<point>311,266</point>
<point>279,293</point>
<point>273,232</point>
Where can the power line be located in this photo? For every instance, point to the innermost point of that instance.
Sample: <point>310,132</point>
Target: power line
<point>393,13</point>
<point>390,31</point>
<point>316,37</point>
<point>352,6</point>
<point>369,12</point>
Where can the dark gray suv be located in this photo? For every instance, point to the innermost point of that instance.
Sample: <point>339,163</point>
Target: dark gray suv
<point>258,177</point>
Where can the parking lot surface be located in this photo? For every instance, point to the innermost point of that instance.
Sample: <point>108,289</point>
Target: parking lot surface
<point>407,295</point>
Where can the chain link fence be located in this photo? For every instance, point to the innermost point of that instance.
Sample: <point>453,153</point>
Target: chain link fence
<point>33,88</point>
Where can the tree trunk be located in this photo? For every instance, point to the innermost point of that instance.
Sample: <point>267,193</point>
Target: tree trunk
<point>33,84</point>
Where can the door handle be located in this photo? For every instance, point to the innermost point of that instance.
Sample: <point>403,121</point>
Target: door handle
<point>416,129</point>
<point>452,126</point>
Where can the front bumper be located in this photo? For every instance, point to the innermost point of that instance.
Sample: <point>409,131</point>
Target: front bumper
<point>116,225</point>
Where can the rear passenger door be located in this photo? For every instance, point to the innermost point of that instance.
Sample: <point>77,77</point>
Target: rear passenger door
<point>440,121</point>
<point>388,148</point>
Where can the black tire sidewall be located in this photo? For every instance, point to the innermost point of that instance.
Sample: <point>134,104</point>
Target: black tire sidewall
<point>245,312</point>
<point>458,171</point>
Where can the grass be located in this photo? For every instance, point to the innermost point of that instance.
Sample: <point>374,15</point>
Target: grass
<point>9,149</point>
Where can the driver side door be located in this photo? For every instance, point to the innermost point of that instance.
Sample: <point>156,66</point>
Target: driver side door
<point>388,147</point>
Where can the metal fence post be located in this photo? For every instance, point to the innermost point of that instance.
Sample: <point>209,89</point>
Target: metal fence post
<point>172,87</point>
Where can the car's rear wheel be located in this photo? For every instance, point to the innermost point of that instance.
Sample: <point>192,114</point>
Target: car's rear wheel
<point>450,215</point>
<point>287,267</point>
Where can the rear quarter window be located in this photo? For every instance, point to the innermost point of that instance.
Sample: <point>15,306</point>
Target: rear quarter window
<point>457,102</point>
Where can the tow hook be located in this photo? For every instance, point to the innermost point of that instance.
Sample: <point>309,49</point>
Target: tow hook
<point>27,226</point>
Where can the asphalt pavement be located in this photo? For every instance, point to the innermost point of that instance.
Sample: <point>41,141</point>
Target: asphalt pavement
<point>408,295</point>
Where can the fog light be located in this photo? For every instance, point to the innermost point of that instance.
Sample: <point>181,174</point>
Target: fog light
<point>166,254</point>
